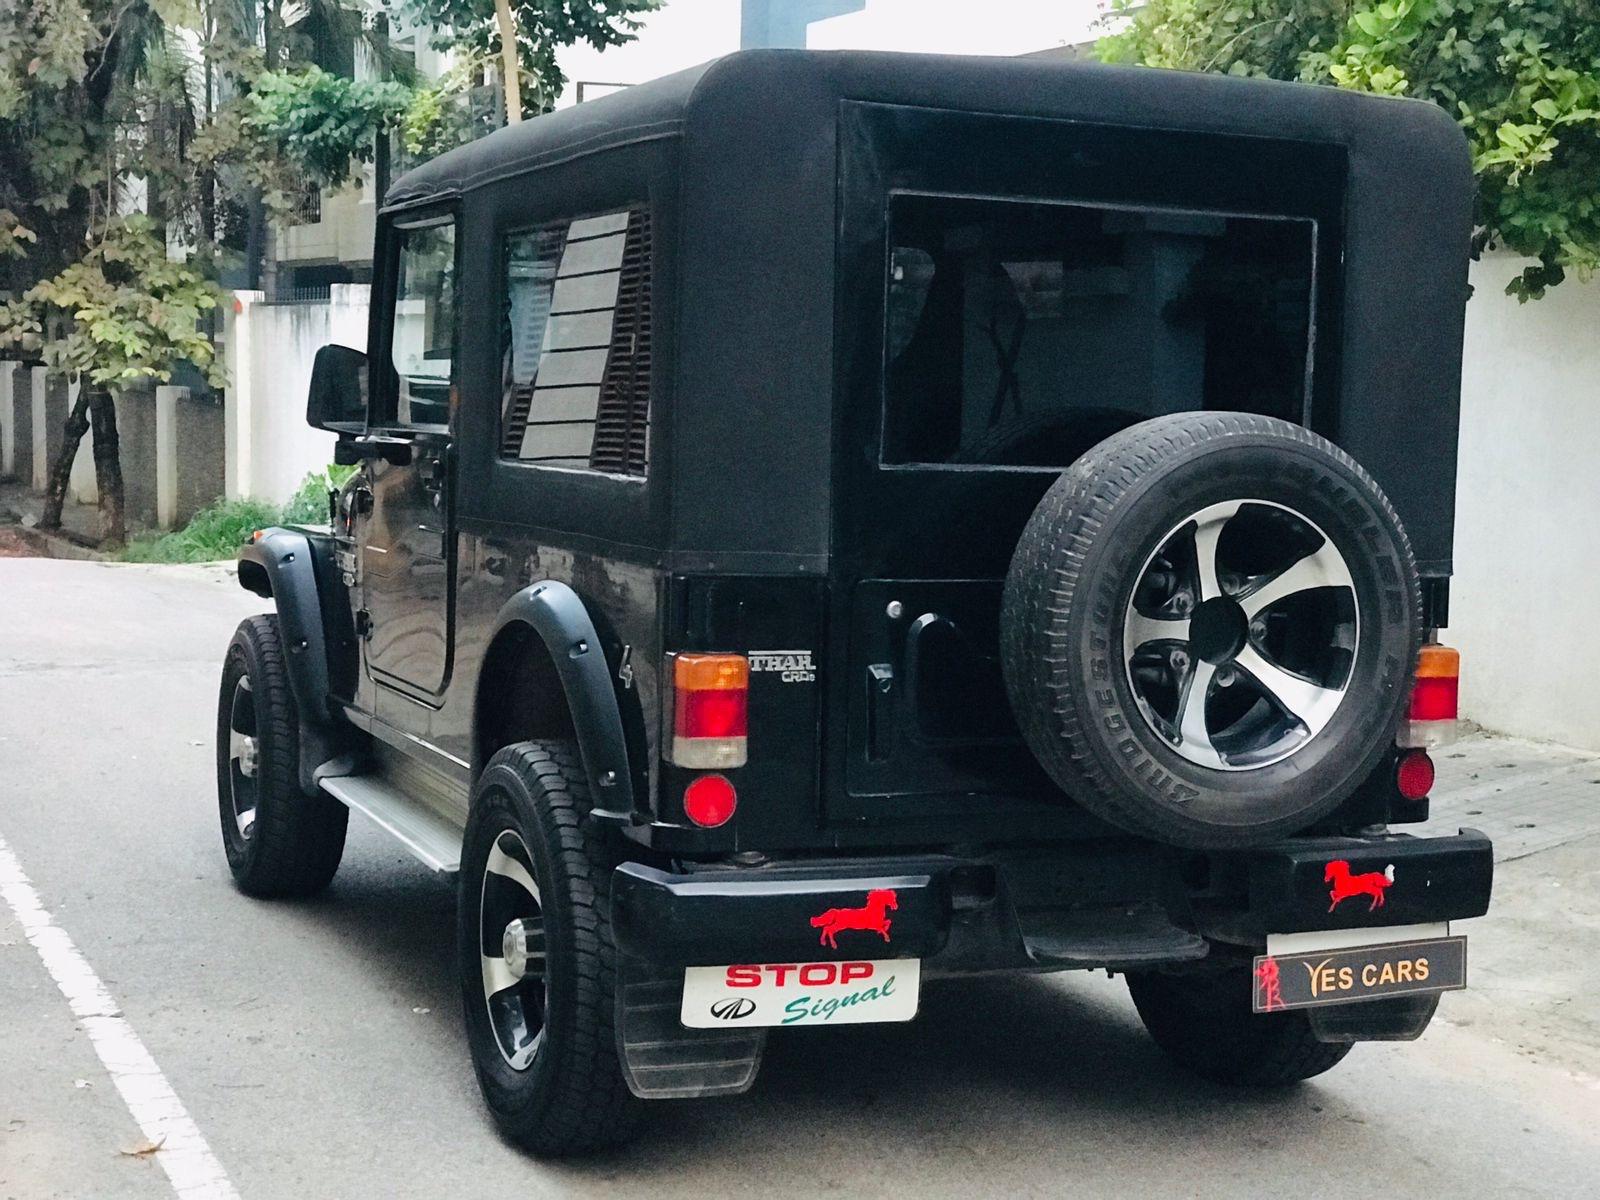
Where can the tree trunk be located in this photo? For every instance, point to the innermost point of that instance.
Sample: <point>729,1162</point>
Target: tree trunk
<point>55,495</point>
<point>108,467</point>
<point>509,73</point>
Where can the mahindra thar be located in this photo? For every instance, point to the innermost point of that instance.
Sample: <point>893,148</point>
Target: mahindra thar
<point>827,521</point>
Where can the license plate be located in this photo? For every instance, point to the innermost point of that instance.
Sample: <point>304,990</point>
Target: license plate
<point>1317,977</point>
<point>832,993</point>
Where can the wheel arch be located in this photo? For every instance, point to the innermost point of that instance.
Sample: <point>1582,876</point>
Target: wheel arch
<point>545,676</point>
<point>280,565</point>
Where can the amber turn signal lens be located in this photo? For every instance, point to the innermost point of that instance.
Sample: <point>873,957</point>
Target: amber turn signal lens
<point>710,672</point>
<point>1438,662</point>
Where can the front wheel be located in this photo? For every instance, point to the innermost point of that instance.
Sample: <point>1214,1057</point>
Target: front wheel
<point>1203,1020</point>
<point>538,968</point>
<point>279,840</point>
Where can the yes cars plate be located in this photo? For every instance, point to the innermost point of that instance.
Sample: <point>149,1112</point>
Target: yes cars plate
<point>1317,977</point>
<point>829,993</point>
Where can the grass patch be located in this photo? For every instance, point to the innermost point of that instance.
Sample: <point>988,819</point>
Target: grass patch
<point>218,530</point>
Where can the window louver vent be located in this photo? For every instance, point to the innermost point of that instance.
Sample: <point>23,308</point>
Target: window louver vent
<point>622,423</point>
<point>577,349</point>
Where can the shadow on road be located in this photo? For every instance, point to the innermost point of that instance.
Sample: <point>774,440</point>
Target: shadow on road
<point>999,1069</point>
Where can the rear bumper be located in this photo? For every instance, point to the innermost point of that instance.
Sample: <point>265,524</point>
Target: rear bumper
<point>1124,908</point>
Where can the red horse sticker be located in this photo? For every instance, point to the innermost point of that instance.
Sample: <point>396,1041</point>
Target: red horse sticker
<point>873,915</point>
<point>1346,885</point>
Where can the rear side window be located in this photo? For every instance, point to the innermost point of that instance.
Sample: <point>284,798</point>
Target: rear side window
<point>1022,333</point>
<point>576,344</point>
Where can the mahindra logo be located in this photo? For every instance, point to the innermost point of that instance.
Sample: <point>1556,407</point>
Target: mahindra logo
<point>733,1008</point>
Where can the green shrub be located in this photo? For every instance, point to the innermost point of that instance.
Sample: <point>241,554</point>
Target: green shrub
<point>309,504</point>
<point>217,531</point>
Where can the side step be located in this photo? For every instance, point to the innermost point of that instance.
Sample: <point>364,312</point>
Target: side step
<point>422,829</point>
<point>1125,936</point>
<point>661,1059</point>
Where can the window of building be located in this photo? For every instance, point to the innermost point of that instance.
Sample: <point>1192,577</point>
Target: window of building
<point>576,344</point>
<point>1022,333</point>
<point>422,345</point>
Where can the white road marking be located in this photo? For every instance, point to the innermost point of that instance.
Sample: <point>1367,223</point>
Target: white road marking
<point>193,1170</point>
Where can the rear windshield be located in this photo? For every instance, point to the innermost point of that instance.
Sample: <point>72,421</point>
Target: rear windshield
<point>1021,333</point>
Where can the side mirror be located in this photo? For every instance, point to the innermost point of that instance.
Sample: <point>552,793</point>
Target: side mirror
<point>337,399</point>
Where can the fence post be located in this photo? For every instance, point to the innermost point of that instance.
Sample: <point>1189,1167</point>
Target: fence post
<point>8,420</point>
<point>167,398</point>
<point>41,427</point>
<point>237,414</point>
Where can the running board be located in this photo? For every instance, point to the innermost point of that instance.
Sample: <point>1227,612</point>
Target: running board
<point>421,829</point>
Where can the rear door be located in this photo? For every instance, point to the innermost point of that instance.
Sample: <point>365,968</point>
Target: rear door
<point>1013,291</point>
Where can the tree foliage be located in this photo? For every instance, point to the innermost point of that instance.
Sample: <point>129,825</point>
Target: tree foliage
<point>123,314</point>
<point>296,129</point>
<point>468,27</point>
<point>1521,76</point>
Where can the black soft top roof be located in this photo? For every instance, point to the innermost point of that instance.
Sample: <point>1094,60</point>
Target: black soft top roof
<point>1056,88</point>
<point>751,163</point>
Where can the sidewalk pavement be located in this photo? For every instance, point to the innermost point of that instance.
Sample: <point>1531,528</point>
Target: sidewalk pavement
<point>1527,796</point>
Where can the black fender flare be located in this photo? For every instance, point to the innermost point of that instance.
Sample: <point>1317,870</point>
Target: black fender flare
<point>279,566</point>
<point>558,615</point>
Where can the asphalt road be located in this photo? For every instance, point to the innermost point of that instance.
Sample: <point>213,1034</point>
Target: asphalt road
<point>317,1046</point>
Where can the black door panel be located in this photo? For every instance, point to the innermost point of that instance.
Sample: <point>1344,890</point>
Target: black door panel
<point>407,569</point>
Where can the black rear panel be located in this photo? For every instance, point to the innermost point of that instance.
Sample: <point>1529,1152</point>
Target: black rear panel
<point>1012,292</point>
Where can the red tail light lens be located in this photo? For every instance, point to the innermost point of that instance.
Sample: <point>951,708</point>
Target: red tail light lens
<point>710,710</point>
<point>721,714</point>
<point>1413,775</point>
<point>710,801</point>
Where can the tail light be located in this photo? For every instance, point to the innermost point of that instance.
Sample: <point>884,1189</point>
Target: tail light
<point>1431,720</point>
<point>710,710</point>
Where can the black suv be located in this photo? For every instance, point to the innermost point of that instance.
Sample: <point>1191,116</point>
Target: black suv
<point>826,521</point>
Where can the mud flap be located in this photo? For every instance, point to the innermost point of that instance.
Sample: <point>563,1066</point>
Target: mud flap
<point>662,1060</point>
<point>1395,1019</point>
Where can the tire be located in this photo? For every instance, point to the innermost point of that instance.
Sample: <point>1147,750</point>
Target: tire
<point>280,841</point>
<point>1203,1022</point>
<point>558,1090</point>
<point>1296,649</point>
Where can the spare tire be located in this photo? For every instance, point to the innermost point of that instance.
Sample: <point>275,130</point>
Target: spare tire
<point>1208,628</point>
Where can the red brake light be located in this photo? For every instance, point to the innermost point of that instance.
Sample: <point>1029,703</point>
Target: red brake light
<point>710,800</point>
<point>1413,774</point>
<point>719,714</point>
<point>1434,699</point>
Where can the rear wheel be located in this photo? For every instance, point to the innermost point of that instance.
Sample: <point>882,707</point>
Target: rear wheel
<point>1203,1020</point>
<point>279,840</point>
<point>538,968</point>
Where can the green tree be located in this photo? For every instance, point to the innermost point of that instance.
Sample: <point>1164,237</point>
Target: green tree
<point>104,100</point>
<point>1522,77</point>
<point>300,129</point>
<point>123,314</point>
<point>522,37</point>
